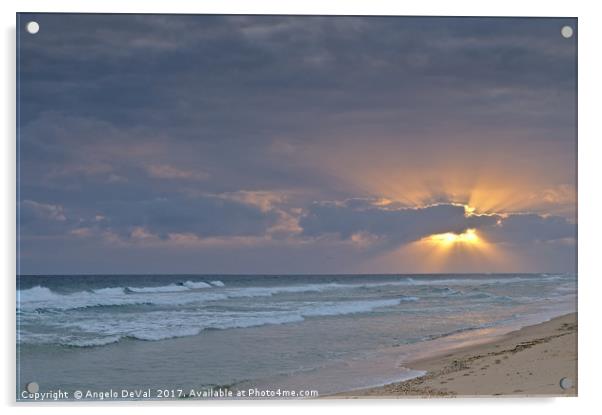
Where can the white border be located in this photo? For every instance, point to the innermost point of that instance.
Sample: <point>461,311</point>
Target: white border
<point>590,234</point>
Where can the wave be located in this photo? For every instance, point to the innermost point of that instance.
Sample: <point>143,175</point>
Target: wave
<point>43,299</point>
<point>171,288</point>
<point>37,293</point>
<point>96,342</point>
<point>109,291</point>
<point>197,285</point>
<point>199,292</point>
<point>177,287</point>
<point>155,329</point>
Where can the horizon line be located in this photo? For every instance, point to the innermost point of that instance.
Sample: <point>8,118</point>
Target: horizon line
<point>284,275</point>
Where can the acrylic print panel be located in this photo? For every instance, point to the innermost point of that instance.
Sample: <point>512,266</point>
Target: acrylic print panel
<point>294,207</point>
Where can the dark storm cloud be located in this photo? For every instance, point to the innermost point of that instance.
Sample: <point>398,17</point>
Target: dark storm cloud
<point>228,75</point>
<point>397,225</point>
<point>242,83</point>
<point>203,216</point>
<point>230,215</point>
<point>401,225</point>
<point>522,228</point>
<point>143,119</point>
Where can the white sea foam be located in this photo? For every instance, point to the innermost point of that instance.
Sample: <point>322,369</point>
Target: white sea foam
<point>200,292</point>
<point>153,334</point>
<point>109,291</point>
<point>36,293</point>
<point>196,285</point>
<point>94,342</point>
<point>160,325</point>
<point>171,288</point>
<point>41,298</point>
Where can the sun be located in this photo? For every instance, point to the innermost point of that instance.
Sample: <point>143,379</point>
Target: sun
<point>468,237</point>
<point>443,250</point>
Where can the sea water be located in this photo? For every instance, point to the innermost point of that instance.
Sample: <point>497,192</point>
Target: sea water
<point>327,333</point>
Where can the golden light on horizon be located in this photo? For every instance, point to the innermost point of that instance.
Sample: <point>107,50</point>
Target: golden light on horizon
<point>443,250</point>
<point>484,185</point>
<point>469,236</point>
<point>466,251</point>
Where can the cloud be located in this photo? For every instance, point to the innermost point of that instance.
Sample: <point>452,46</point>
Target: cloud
<point>235,216</point>
<point>30,209</point>
<point>227,128</point>
<point>165,171</point>
<point>398,225</point>
<point>204,216</point>
<point>529,227</point>
<point>264,200</point>
<point>42,219</point>
<point>366,220</point>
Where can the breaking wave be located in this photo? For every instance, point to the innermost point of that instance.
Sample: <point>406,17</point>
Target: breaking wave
<point>171,325</point>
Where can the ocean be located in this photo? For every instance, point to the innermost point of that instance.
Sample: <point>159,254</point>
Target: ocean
<point>326,333</point>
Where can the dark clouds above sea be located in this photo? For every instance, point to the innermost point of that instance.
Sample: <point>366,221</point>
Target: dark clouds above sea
<point>187,140</point>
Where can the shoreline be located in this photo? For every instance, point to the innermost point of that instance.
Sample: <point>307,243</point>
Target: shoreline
<point>529,361</point>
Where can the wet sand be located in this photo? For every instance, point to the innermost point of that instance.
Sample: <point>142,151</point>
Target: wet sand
<point>527,362</point>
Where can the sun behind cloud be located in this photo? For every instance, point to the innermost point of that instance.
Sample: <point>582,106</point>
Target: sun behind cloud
<point>469,236</point>
<point>442,250</point>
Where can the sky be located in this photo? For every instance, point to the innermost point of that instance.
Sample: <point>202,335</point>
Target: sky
<point>213,144</point>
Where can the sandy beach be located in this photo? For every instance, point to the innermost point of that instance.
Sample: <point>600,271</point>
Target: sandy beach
<point>527,362</point>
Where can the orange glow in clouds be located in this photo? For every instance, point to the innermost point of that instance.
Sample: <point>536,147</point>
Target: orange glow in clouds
<point>468,251</point>
<point>447,239</point>
<point>442,250</point>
